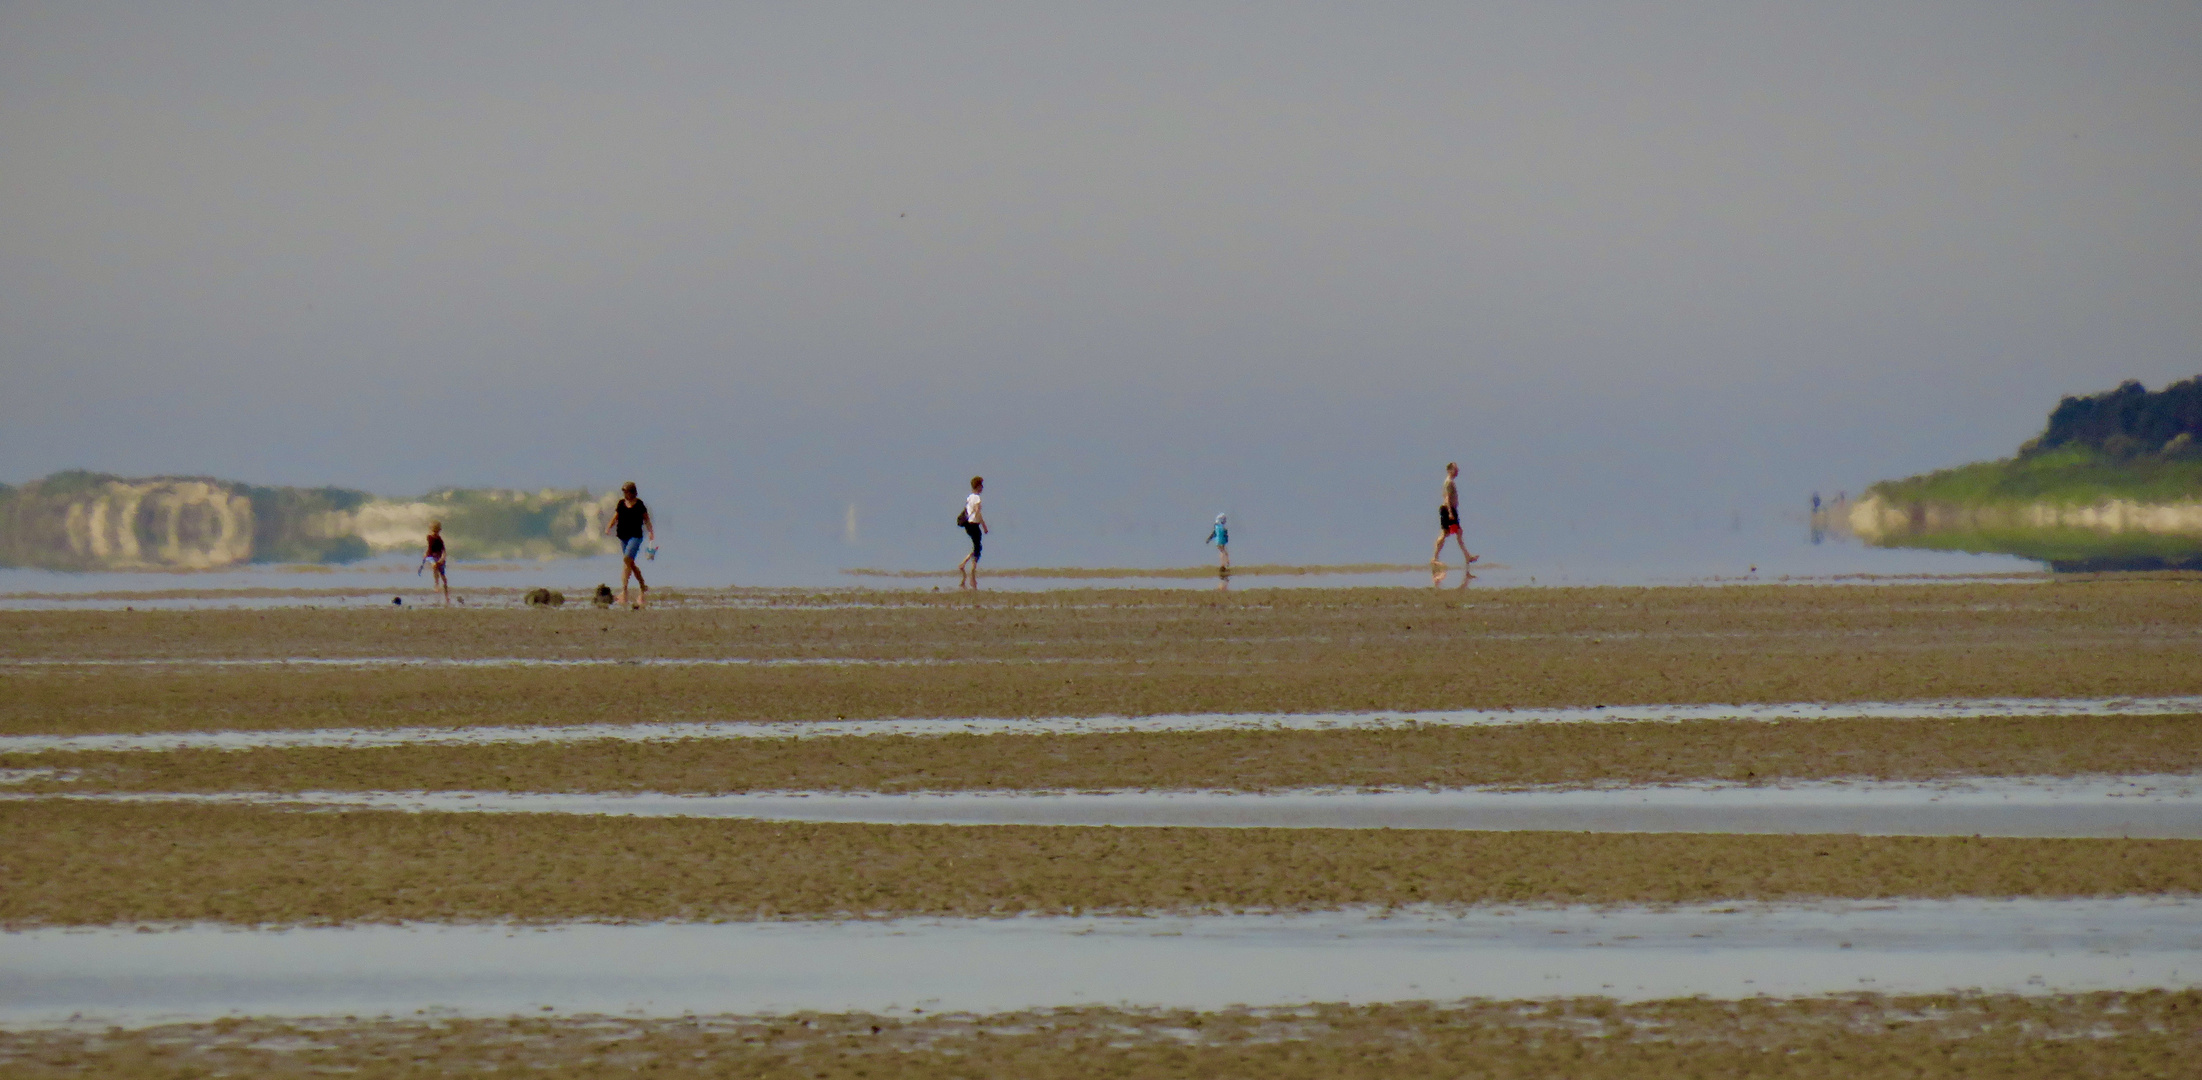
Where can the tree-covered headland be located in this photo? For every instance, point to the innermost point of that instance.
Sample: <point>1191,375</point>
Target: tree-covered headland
<point>2113,482</point>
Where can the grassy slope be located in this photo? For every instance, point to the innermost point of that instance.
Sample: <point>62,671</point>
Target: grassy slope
<point>2067,476</point>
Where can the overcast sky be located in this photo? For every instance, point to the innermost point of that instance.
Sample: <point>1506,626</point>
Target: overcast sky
<point>1135,263</point>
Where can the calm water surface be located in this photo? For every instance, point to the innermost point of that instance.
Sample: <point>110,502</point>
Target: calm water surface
<point>2022,946</point>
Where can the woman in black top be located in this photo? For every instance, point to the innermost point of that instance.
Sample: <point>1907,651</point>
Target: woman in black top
<point>631,522</point>
<point>434,556</point>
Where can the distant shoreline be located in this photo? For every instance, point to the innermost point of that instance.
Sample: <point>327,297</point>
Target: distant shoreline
<point>1251,570</point>
<point>2113,483</point>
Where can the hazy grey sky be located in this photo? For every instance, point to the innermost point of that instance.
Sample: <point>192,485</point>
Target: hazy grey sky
<point>1137,263</point>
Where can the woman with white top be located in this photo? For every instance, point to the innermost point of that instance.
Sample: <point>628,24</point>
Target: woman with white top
<point>973,520</point>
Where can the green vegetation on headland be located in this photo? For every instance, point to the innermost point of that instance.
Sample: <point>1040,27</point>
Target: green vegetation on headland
<point>93,521</point>
<point>2067,476</point>
<point>2113,483</point>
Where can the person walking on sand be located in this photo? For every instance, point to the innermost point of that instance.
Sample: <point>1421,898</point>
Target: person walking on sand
<point>1448,517</point>
<point>1221,537</point>
<point>631,522</point>
<point>973,520</point>
<point>434,556</point>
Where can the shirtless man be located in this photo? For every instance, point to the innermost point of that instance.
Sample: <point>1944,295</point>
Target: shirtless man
<point>1448,517</point>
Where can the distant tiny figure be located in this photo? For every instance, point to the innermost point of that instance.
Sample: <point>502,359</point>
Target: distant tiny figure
<point>1815,502</point>
<point>435,557</point>
<point>1221,537</point>
<point>631,522</point>
<point>1448,517</point>
<point>973,521</point>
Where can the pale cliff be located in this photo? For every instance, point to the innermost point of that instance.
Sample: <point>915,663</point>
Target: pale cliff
<point>1876,519</point>
<point>2114,482</point>
<point>88,521</point>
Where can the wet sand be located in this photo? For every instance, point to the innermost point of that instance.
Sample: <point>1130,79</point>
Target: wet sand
<point>880,622</point>
<point>647,731</point>
<point>1092,653</point>
<point>137,701</point>
<point>1130,653</point>
<point>1208,572</point>
<point>1418,757</point>
<point>1923,1037</point>
<point>2155,807</point>
<point>81,863</point>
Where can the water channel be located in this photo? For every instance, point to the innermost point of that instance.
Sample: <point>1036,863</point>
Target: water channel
<point>131,976</point>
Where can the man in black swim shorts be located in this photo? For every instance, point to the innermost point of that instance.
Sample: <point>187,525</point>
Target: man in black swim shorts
<point>1448,516</point>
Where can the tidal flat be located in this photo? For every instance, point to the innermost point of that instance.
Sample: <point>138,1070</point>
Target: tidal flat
<point>75,863</point>
<point>1105,652</point>
<point>2149,1034</point>
<point>2121,654</point>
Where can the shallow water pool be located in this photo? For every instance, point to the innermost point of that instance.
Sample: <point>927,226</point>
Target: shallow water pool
<point>126,976</point>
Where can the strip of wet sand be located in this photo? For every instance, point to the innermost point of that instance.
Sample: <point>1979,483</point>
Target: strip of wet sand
<point>642,731</point>
<point>2153,807</point>
<point>1132,654</point>
<point>1852,1036</point>
<point>79,863</point>
<point>1420,757</point>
